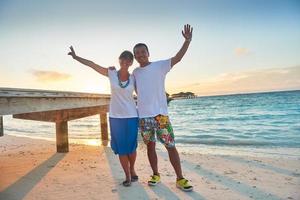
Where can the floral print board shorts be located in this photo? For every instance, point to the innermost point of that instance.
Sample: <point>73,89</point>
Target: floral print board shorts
<point>160,126</point>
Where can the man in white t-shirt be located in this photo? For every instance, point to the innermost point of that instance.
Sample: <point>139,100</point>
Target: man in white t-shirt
<point>152,107</point>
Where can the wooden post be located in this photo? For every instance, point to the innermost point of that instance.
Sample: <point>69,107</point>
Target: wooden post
<point>1,126</point>
<point>104,132</point>
<point>62,142</point>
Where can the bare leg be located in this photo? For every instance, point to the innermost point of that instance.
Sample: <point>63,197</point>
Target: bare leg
<point>175,161</point>
<point>132,158</point>
<point>125,165</point>
<point>152,157</point>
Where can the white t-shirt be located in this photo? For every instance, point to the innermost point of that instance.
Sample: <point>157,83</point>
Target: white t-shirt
<point>150,81</point>
<point>122,103</point>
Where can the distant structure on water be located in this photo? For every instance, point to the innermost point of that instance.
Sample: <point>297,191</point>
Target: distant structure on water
<point>184,95</point>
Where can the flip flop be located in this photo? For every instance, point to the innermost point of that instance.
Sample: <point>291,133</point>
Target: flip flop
<point>134,178</point>
<point>126,183</point>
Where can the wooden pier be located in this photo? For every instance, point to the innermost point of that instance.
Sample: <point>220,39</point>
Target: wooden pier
<point>1,126</point>
<point>54,106</point>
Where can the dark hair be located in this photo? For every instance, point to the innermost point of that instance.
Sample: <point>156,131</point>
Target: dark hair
<point>140,45</point>
<point>126,55</point>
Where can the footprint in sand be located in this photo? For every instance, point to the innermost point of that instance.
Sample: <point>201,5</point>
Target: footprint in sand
<point>230,172</point>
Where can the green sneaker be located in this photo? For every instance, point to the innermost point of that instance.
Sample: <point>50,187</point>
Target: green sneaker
<point>184,185</point>
<point>155,179</point>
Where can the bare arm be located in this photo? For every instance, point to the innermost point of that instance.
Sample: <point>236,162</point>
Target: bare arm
<point>98,68</point>
<point>187,34</point>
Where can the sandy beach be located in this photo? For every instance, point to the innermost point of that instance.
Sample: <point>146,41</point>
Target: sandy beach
<point>31,169</point>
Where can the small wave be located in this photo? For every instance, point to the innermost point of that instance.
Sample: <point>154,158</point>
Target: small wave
<point>220,142</point>
<point>243,118</point>
<point>225,142</point>
<point>201,137</point>
<point>17,130</point>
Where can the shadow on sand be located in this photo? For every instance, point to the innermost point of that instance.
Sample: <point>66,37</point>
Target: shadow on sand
<point>21,187</point>
<point>258,164</point>
<point>228,182</point>
<point>118,175</point>
<point>161,190</point>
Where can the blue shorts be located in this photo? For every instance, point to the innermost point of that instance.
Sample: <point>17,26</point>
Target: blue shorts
<point>123,132</point>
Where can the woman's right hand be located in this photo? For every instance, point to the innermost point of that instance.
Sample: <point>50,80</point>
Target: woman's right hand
<point>72,52</point>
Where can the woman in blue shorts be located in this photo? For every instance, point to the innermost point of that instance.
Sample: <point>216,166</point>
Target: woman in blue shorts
<point>123,115</point>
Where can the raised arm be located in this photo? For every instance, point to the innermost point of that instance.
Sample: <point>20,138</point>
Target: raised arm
<point>187,34</point>
<point>98,68</point>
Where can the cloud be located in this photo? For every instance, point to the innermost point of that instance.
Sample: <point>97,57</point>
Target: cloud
<point>241,51</point>
<point>271,79</point>
<point>49,76</point>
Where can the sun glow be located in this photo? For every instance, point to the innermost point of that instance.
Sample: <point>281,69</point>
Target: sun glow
<point>93,142</point>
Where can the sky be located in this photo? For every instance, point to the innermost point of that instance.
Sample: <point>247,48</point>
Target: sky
<point>238,46</point>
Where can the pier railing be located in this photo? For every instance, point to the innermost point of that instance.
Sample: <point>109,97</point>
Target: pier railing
<point>58,107</point>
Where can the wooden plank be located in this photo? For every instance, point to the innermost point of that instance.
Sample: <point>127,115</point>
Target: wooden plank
<point>21,92</point>
<point>62,141</point>
<point>1,126</point>
<point>104,128</point>
<point>10,106</point>
<point>63,115</point>
<point>13,101</point>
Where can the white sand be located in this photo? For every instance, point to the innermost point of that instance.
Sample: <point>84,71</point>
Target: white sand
<point>31,169</point>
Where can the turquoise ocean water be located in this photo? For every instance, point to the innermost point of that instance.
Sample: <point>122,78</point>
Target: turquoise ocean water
<point>261,119</point>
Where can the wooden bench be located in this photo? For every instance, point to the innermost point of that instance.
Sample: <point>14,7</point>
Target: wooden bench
<point>54,106</point>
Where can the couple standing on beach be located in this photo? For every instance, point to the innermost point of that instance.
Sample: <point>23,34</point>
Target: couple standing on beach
<point>150,114</point>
